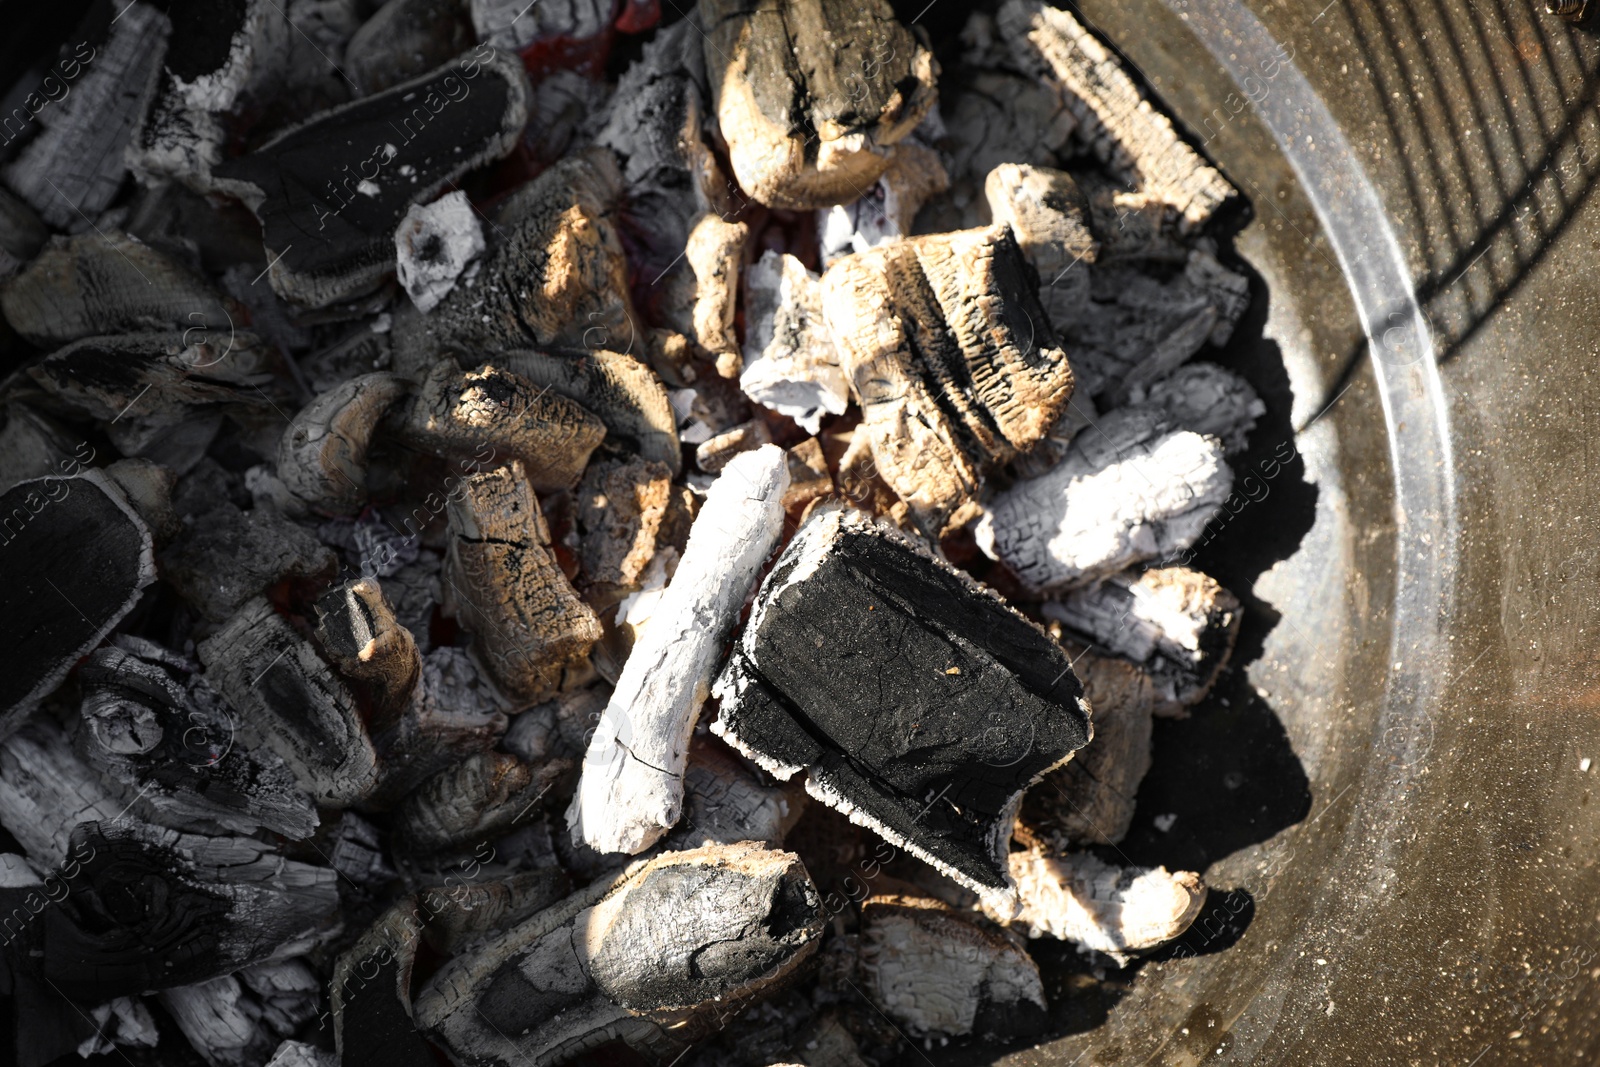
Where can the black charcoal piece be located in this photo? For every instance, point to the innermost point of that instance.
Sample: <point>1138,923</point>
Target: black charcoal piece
<point>917,702</point>
<point>74,557</point>
<point>330,192</point>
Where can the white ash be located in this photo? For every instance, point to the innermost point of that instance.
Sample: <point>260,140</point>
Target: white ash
<point>434,244</point>
<point>1130,489</point>
<point>1207,399</point>
<point>790,364</point>
<point>515,24</point>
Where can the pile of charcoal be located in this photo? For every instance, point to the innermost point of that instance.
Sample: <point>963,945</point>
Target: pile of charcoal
<point>534,531</point>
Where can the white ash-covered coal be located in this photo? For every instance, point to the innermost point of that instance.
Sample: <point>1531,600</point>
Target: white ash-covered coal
<point>509,512</point>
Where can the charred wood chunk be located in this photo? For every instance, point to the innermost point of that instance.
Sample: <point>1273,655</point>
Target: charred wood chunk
<point>330,192</point>
<point>457,912</point>
<point>34,445</point>
<point>504,584</point>
<point>157,391</point>
<point>434,244</point>
<point>631,792</point>
<point>725,802</point>
<point>808,475</point>
<point>358,631</point>
<point>1120,911</point>
<point>1091,799</point>
<point>1178,624</point>
<point>713,254</point>
<point>300,1054</point>
<point>557,275</point>
<point>482,797</point>
<point>73,169</point>
<point>46,790</point>
<point>75,558</point>
<point>322,457</point>
<point>1131,489</point>
<point>289,699</point>
<point>1119,124</point>
<point>669,941</point>
<point>109,283</point>
<point>810,93</point>
<point>882,673</point>
<point>496,415</point>
<point>406,38</point>
<point>1209,400</point>
<point>236,1021</point>
<point>790,364</point>
<point>148,487</point>
<point>1129,225</point>
<point>153,725</point>
<point>625,394</point>
<point>227,556</point>
<point>371,994</point>
<point>1137,329</point>
<point>155,908</point>
<point>938,971</point>
<point>952,359</point>
<point>454,712</point>
<point>620,507</point>
<point>1049,215</point>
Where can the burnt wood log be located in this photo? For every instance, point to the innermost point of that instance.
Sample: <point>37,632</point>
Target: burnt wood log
<point>46,790</point>
<point>1176,623</point>
<point>495,415</point>
<point>625,394</point>
<point>1049,216</point>
<point>557,275</point>
<point>155,908</point>
<point>330,192</point>
<point>685,938</point>
<point>631,791</point>
<point>1207,399</point>
<point>1121,911</point>
<point>73,169</point>
<point>531,631</point>
<point>790,364</point>
<point>357,630</point>
<point>952,359</point>
<point>76,557</point>
<point>877,669</point>
<point>110,283</point>
<point>322,457</point>
<point>152,724</point>
<point>938,971</point>
<point>1130,489</point>
<point>1090,801</point>
<point>287,698</point>
<point>226,556</point>
<point>1123,129</point>
<point>810,93</point>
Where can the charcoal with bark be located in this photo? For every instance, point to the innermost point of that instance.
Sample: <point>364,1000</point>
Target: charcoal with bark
<point>330,192</point>
<point>952,359</point>
<point>620,508</point>
<point>495,415</point>
<point>152,724</point>
<point>625,394</point>
<point>77,557</point>
<point>810,95</point>
<point>226,556</point>
<point>672,943</point>
<point>288,698</point>
<point>877,669</point>
<point>322,457</point>
<point>501,578</point>
<point>97,284</point>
